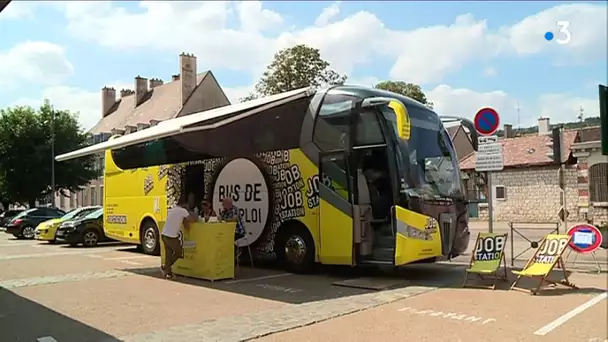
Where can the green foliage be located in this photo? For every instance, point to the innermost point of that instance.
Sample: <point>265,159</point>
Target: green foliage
<point>406,89</point>
<point>293,68</point>
<point>26,137</point>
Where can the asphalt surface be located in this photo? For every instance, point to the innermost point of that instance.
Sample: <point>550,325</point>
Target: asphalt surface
<point>112,293</point>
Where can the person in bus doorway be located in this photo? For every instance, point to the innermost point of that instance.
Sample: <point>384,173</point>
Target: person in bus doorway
<point>231,213</point>
<point>176,217</point>
<point>208,213</point>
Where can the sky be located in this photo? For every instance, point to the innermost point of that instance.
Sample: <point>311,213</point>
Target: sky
<point>464,55</point>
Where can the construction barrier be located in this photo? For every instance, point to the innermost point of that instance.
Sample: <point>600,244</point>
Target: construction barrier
<point>489,253</point>
<point>546,257</point>
<point>529,232</point>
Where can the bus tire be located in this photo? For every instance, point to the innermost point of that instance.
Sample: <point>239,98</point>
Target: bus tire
<point>295,248</point>
<point>149,237</point>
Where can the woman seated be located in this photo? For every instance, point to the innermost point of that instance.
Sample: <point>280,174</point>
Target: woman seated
<point>208,213</point>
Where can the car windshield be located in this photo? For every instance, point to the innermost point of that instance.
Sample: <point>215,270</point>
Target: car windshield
<point>94,214</point>
<point>429,154</point>
<point>76,213</point>
<point>23,213</point>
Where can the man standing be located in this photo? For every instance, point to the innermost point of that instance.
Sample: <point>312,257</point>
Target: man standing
<point>176,217</point>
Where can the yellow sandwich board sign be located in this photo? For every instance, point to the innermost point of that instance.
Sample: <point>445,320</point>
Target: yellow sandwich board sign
<point>547,256</point>
<point>488,253</point>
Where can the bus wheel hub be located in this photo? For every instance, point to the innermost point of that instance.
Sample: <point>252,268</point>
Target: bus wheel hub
<point>149,238</point>
<point>295,249</point>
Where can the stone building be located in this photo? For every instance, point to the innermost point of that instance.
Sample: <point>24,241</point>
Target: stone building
<point>528,189</point>
<point>148,103</point>
<point>592,174</point>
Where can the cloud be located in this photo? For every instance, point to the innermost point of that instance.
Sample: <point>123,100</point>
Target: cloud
<point>489,72</point>
<point>328,13</point>
<point>87,104</point>
<point>466,102</point>
<point>422,55</point>
<point>35,62</point>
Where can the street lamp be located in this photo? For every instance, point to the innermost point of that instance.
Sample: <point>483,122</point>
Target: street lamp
<point>47,103</point>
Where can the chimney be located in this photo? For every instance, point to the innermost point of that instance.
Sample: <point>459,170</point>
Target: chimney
<point>142,126</point>
<point>544,127</point>
<point>175,78</point>
<point>117,131</point>
<point>187,65</point>
<point>126,92</point>
<point>130,129</point>
<point>154,122</point>
<point>108,99</point>
<point>508,131</point>
<point>155,82</point>
<point>141,88</point>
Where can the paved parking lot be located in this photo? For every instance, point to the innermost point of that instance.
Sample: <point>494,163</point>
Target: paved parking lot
<point>112,293</point>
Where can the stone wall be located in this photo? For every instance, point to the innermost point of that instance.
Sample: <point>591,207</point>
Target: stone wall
<point>533,195</point>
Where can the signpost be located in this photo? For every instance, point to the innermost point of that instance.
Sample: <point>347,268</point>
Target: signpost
<point>586,239</point>
<point>489,155</point>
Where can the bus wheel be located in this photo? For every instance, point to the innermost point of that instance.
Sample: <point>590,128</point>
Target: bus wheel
<point>149,238</point>
<point>295,249</point>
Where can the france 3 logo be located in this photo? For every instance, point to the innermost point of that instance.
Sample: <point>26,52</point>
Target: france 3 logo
<point>490,248</point>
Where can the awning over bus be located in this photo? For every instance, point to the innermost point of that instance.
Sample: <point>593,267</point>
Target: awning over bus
<point>209,119</point>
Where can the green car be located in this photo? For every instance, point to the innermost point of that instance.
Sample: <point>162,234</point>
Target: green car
<point>47,230</point>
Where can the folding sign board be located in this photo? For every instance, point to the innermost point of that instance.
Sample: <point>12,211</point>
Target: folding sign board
<point>488,254</point>
<point>547,256</point>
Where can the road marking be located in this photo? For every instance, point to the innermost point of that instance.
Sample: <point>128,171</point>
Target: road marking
<point>258,278</point>
<point>130,262</point>
<point>450,315</point>
<point>19,244</point>
<point>279,288</point>
<point>40,255</point>
<point>567,316</point>
<point>129,257</point>
<point>47,339</point>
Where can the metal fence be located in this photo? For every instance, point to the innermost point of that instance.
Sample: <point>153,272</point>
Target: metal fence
<point>526,231</point>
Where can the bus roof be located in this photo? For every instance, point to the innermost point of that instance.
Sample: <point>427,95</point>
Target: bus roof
<point>365,92</point>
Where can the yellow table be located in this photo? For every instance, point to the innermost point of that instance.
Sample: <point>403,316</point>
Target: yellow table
<point>208,251</point>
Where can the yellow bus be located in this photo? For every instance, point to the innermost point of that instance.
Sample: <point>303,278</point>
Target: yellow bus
<point>345,175</point>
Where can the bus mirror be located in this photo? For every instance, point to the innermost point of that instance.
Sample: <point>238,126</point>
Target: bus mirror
<point>404,125</point>
<point>467,124</point>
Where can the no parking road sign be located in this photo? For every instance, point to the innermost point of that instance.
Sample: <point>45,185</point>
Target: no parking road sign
<point>486,121</point>
<point>585,238</point>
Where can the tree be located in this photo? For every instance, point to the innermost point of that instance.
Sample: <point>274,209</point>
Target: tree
<point>406,89</point>
<point>26,139</point>
<point>293,68</point>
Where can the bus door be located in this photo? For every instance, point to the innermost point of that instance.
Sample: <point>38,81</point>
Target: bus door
<point>335,209</point>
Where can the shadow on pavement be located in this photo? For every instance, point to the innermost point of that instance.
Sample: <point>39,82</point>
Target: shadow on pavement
<point>24,320</point>
<point>274,284</point>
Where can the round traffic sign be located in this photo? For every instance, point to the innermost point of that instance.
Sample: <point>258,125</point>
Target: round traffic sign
<point>586,238</point>
<point>486,121</point>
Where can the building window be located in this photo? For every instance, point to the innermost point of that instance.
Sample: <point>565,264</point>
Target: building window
<point>101,194</point>
<point>500,192</point>
<point>598,182</point>
<point>61,200</point>
<point>93,196</point>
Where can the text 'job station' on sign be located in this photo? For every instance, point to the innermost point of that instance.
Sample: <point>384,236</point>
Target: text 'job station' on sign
<point>547,256</point>
<point>486,259</point>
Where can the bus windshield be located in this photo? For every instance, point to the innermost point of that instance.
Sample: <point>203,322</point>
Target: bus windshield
<point>431,163</point>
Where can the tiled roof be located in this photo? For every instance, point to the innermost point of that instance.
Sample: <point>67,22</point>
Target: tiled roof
<point>528,150</point>
<point>589,134</point>
<point>163,102</point>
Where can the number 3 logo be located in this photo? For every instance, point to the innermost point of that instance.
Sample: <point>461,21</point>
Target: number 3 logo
<point>564,30</point>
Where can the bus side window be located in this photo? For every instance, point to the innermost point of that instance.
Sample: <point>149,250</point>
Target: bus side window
<point>332,130</point>
<point>368,130</point>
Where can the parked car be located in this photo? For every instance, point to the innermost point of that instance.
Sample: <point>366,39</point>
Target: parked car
<point>46,230</point>
<point>6,216</point>
<point>23,225</point>
<point>87,230</point>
